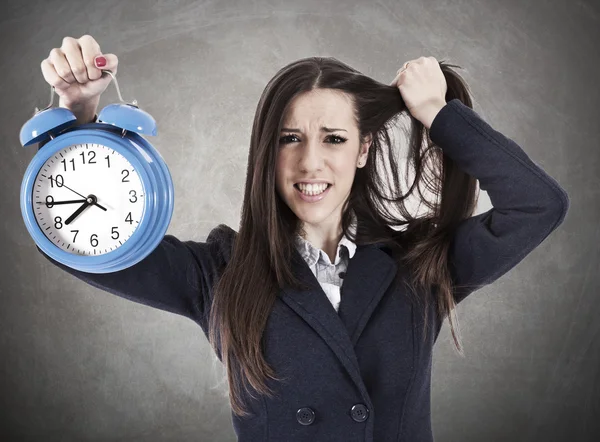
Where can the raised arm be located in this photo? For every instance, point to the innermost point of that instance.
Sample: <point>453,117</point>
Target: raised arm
<point>178,276</point>
<point>528,204</point>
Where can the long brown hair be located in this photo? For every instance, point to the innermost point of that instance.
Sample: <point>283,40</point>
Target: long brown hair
<point>260,263</point>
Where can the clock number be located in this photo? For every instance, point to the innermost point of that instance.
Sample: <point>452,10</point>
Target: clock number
<point>108,160</point>
<point>90,160</point>
<point>113,232</point>
<point>64,163</point>
<point>59,180</point>
<point>76,232</point>
<point>49,201</point>
<point>94,238</point>
<point>132,196</point>
<point>126,172</point>
<point>58,222</point>
<point>128,218</point>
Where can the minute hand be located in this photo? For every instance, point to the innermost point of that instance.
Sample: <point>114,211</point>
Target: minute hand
<point>60,202</point>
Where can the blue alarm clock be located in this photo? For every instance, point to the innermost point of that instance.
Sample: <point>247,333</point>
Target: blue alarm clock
<point>96,197</point>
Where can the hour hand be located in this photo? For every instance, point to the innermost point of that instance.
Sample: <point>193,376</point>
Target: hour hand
<point>91,199</point>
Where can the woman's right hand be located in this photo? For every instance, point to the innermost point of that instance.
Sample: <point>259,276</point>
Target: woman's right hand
<point>74,70</point>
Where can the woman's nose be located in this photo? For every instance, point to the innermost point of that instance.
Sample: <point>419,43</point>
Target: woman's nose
<point>311,157</point>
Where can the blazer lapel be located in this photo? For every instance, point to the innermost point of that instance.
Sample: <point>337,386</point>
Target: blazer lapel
<point>369,274</point>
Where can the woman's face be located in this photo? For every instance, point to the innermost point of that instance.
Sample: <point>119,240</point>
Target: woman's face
<point>310,151</point>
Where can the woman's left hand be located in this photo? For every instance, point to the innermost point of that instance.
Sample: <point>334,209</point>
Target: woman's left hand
<point>423,88</point>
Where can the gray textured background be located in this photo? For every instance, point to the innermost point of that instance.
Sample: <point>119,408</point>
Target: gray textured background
<point>79,364</point>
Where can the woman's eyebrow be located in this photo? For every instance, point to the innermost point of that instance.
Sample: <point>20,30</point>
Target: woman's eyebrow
<point>323,129</point>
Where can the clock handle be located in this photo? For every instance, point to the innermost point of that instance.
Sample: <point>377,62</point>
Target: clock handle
<point>49,105</point>
<point>133,103</point>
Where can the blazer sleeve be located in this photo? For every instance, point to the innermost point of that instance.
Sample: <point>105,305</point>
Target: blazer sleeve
<point>178,276</point>
<point>528,204</point>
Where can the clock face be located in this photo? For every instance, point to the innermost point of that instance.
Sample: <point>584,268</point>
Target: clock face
<point>88,199</point>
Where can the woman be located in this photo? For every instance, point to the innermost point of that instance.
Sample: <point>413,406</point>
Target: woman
<point>309,358</point>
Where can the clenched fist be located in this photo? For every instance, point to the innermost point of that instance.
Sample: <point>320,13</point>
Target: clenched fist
<point>74,70</point>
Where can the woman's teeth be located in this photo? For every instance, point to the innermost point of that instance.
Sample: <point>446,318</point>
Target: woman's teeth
<point>312,189</point>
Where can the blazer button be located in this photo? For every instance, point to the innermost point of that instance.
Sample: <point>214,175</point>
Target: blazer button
<point>359,412</point>
<point>305,416</point>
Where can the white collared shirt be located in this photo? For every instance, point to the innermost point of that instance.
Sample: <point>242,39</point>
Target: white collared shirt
<point>330,275</point>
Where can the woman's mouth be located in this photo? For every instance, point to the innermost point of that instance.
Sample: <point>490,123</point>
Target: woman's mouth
<point>312,193</point>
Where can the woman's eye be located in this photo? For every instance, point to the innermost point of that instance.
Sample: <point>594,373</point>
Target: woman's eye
<point>336,139</point>
<point>340,139</point>
<point>286,139</point>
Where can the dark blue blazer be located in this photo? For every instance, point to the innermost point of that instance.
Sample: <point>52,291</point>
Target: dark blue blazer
<point>363,374</point>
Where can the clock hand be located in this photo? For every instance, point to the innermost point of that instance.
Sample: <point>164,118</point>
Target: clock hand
<point>60,202</point>
<point>90,200</point>
<point>77,212</point>
<point>63,185</point>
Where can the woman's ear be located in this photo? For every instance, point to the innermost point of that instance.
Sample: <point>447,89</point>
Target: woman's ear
<point>364,150</point>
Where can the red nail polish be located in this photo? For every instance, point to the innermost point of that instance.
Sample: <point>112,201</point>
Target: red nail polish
<point>100,61</point>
